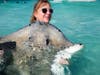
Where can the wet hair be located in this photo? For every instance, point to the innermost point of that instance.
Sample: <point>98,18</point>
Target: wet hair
<point>36,7</point>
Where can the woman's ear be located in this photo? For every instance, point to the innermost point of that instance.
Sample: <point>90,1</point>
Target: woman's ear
<point>35,14</point>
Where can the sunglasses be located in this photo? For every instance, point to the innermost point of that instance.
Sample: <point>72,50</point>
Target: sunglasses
<point>44,10</point>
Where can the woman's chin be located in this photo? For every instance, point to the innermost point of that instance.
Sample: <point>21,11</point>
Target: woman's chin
<point>46,21</point>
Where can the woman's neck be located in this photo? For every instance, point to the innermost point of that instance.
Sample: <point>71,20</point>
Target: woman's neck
<point>41,22</point>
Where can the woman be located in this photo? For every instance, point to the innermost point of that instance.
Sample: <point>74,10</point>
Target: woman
<point>40,20</point>
<point>42,33</point>
<point>47,34</point>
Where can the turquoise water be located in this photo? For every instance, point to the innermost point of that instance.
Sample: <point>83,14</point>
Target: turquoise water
<point>79,21</point>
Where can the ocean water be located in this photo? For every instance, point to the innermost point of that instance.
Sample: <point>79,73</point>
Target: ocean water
<point>79,21</point>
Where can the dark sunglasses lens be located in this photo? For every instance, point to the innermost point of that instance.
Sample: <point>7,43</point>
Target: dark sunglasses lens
<point>44,10</point>
<point>51,10</point>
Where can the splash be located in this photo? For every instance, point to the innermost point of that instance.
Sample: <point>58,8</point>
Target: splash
<point>60,69</point>
<point>60,1</point>
<point>56,1</point>
<point>81,0</point>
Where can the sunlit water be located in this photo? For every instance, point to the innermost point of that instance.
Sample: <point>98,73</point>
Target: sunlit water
<point>79,21</point>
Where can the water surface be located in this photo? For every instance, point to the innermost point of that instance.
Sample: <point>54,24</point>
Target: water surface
<point>79,21</point>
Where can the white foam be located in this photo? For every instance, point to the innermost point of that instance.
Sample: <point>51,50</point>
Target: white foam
<point>81,0</point>
<point>56,1</point>
<point>56,67</point>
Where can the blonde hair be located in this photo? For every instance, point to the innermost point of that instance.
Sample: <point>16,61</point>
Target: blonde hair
<point>36,7</point>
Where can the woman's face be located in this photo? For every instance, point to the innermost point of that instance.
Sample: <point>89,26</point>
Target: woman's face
<point>44,13</point>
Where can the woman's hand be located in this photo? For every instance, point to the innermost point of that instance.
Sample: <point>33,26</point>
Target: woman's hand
<point>63,61</point>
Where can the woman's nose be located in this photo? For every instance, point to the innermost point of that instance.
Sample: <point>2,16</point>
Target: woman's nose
<point>48,12</point>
